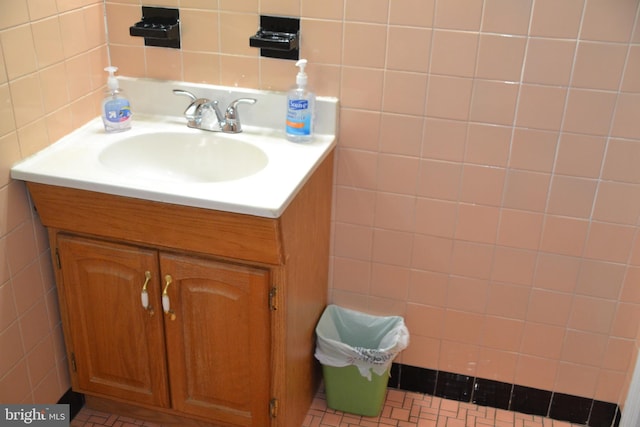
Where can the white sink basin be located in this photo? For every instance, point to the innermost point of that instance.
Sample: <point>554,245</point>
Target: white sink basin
<point>188,157</point>
<point>256,172</point>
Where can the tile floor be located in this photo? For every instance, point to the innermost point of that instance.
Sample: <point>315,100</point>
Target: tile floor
<point>401,409</point>
<point>406,409</point>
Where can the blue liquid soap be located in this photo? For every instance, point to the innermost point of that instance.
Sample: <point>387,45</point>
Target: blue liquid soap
<point>116,110</point>
<point>300,108</point>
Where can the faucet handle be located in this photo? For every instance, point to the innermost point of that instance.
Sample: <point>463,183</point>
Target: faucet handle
<point>185,93</point>
<point>232,109</point>
<point>231,118</point>
<point>192,112</point>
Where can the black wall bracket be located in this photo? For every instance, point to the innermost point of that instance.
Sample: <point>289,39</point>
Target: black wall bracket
<point>159,27</point>
<point>277,37</point>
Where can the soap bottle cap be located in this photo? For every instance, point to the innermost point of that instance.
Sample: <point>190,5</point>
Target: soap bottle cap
<point>301,78</point>
<point>112,82</point>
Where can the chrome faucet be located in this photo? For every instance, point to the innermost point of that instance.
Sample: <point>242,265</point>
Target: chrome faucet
<point>199,111</point>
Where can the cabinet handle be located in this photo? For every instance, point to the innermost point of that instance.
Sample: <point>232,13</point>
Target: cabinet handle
<point>166,303</point>
<point>144,295</point>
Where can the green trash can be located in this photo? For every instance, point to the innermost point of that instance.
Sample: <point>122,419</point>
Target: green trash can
<point>356,351</point>
<point>348,391</point>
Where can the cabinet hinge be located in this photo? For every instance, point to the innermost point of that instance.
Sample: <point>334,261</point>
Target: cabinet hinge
<point>73,362</point>
<point>273,408</point>
<point>273,301</point>
<point>58,259</point>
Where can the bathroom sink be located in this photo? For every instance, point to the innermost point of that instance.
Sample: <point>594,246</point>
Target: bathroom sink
<point>181,156</point>
<point>255,172</point>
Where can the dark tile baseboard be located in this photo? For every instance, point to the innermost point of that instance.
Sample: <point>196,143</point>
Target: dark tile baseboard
<point>74,400</point>
<point>513,397</point>
<point>483,392</point>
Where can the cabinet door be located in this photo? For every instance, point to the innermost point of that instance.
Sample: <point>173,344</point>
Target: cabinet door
<point>118,346</point>
<point>218,341</point>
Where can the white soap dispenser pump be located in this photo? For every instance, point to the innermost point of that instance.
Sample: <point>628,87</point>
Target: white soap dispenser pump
<point>116,110</point>
<point>300,108</point>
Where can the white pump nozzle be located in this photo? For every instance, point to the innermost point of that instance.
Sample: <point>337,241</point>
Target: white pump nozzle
<point>301,78</point>
<point>112,82</point>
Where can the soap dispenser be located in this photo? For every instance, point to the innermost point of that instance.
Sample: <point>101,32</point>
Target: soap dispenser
<point>116,110</point>
<point>300,108</point>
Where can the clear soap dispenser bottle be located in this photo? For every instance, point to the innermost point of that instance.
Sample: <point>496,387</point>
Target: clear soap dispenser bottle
<point>300,108</point>
<point>116,110</point>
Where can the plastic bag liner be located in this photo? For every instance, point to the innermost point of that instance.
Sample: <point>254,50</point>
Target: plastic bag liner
<point>347,337</point>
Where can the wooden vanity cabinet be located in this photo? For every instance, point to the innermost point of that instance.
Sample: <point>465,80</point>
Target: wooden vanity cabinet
<point>118,350</point>
<point>218,339</point>
<point>216,333</point>
<point>236,346</point>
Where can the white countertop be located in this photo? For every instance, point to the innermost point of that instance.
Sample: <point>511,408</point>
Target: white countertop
<point>73,161</point>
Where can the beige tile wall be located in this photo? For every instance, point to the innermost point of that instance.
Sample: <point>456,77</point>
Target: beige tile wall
<point>51,59</point>
<point>487,186</point>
